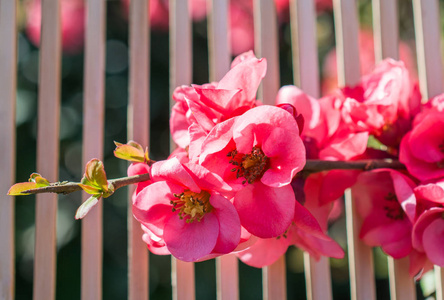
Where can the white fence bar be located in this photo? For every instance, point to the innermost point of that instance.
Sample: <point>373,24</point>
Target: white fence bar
<point>385,29</point>
<point>386,35</point>
<point>304,46</point>
<point>362,280</point>
<point>274,283</point>
<point>93,134</point>
<point>428,47</point>
<point>218,42</point>
<point>8,83</point>
<point>347,47</point>
<point>138,117</point>
<point>402,286</point>
<point>48,149</point>
<point>266,45</point>
<point>306,76</point>
<point>227,274</point>
<point>182,273</point>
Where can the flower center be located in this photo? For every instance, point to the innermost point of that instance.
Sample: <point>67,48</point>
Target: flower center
<point>393,209</point>
<point>192,206</point>
<point>251,166</point>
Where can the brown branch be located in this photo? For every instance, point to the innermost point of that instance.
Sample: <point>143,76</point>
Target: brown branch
<point>311,166</point>
<point>315,165</point>
<point>69,187</point>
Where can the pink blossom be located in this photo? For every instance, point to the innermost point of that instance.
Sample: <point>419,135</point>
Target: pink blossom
<point>366,58</point>
<point>325,134</point>
<point>304,232</point>
<point>422,149</point>
<point>206,105</point>
<point>387,205</point>
<point>428,234</point>
<point>258,154</point>
<point>72,27</point>
<point>185,210</point>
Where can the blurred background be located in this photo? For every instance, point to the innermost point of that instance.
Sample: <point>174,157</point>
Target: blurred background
<point>116,98</point>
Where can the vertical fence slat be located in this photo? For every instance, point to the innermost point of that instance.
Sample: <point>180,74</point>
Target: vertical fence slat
<point>266,45</point>
<point>362,280</point>
<point>182,273</point>
<point>402,286</point>
<point>306,76</point>
<point>386,32</point>
<point>304,46</point>
<point>428,47</point>
<point>138,117</point>
<point>218,42</point>
<point>8,61</point>
<point>274,280</point>
<point>48,149</point>
<point>227,275</point>
<point>347,47</point>
<point>93,133</point>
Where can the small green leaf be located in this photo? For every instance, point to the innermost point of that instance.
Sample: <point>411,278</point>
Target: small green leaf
<point>18,188</point>
<point>128,152</point>
<point>135,145</point>
<point>90,189</point>
<point>38,179</point>
<point>95,175</point>
<point>86,206</point>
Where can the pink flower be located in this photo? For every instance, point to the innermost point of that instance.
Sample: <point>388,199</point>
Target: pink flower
<point>428,234</point>
<point>258,154</point>
<point>185,210</point>
<point>387,206</point>
<point>367,60</point>
<point>325,134</point>
<point>73,24</point>
<point>304,232</point>
<point>380,97</point>
<point>199,108</point>
<point>422,149</point>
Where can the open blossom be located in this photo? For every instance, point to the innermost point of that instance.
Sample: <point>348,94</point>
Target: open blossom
<point>366,59</point>
<point>307,231</point>
<point>206,105</point>
<point>184,210</point>
<point>422,149</point>
<point>258,154</point>
<point>387,205</point>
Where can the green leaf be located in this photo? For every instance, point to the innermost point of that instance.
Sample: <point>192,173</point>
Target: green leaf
<point>135,145</point>
<point>95,175</point>
<point>18,188</point>
<point>374,143</point>
<point>86,206</point>
<point>128,152</point>
<point>38,179</point>
<point>90,189</point>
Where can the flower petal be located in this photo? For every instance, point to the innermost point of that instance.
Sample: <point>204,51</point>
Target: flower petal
<point>265,211</point>
<point>229,224</point>
<point>191,241</point>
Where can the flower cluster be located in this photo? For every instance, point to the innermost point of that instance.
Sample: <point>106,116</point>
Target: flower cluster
<point>234,184</point>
